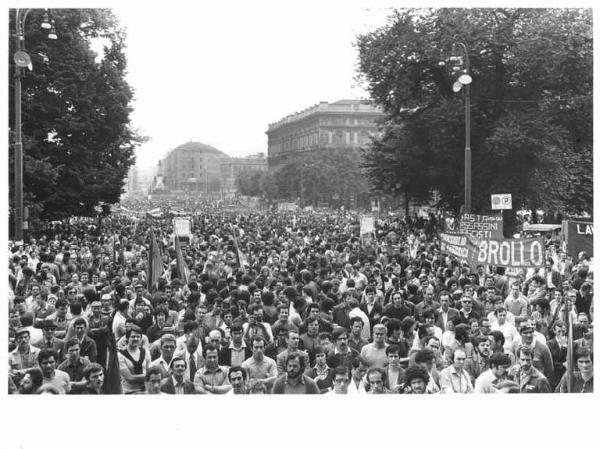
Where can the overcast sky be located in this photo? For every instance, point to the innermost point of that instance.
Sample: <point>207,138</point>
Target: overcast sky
<point>220,73</point>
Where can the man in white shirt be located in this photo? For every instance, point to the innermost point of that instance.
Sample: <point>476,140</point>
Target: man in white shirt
<point>455,378</point>
<point>192,355</point>
<point>516,303</point>
<point>167,350</point>
<point>508,330</point>
<point>356,311</point>
<point>499,303</point>
<point>489,379</point>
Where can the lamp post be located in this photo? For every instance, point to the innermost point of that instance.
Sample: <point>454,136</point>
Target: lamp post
<point>463,68</point>
<point>22,60</point>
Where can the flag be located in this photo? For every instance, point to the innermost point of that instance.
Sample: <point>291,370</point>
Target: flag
<point>240,256</point>
<point>182,269</point>
<point>155,266</point>
<point>569,343</point>
<point>112,379</point>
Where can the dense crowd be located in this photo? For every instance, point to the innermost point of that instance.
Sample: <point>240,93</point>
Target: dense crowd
<point>284,303</point>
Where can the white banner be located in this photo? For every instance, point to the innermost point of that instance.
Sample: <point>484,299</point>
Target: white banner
<point>182,227</point>
<point>367,224</point>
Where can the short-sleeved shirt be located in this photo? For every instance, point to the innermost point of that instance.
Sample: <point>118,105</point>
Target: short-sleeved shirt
<point>375,356</point>
<point>60,380</point>
<point>74,370</point>
<point>214,378</point>
<point>305,386</point>
<point>125,363</point>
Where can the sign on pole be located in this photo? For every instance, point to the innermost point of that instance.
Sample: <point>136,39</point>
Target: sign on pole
<point>182,227</point>
<point>367,224</point>
<point>502,201</point>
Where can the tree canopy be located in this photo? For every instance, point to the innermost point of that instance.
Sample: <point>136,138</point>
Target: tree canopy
<point>531,105</point>
<point>76,105</point>
<point>331,176</point>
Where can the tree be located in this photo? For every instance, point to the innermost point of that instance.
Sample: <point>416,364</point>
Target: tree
<point>77,139</point>
<point>248,182</point>
<point>330,176</point>
<point>531,105</point>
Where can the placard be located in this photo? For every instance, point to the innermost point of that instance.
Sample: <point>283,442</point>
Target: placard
<point>482,226</point>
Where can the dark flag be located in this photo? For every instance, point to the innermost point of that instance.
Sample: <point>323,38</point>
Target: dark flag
<point>182,269</point>
<point>238,253</point>
<point>155,266</point>
<point>112,379</point>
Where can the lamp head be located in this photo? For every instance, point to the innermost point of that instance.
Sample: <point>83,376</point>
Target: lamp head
<point>465,79</point>
<point>46,21</point>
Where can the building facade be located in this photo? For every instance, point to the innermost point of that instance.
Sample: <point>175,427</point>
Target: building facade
<point>344,124</point>
<point>193,168</point>
<point>232,168</point>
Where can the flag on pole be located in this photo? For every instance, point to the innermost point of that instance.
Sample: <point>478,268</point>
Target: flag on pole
<point>240,256</point>
<point>155,266</point>
<point>182,269</point>
<point>569,324</point>
<point>112,379</point>
<point>114,247</point>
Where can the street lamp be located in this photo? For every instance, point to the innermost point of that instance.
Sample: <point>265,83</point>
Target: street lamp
<point>462,69</point>
<point>22,60</point>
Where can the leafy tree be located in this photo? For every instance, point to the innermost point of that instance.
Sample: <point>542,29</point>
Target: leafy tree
<point>330,176</point>
<point>248,182</point>
<point>531,105</point>
<point>78,143</point>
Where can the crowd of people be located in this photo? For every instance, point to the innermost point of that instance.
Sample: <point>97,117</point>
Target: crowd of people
<point>287,303</point>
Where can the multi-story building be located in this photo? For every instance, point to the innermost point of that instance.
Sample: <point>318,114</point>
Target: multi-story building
<point>233,167</point>
<point>345,124</point>
<point>193,167</point>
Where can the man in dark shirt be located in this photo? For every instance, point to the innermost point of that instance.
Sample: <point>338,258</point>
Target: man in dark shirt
<point>341,312</point>
<point>93,375</point>
<point>86,344</point>
<point>74,364</point>
<point>342,353</point>
<point>50,341</point>
<point>294,381</point>
<point>582,381</point>
<point>397,309</point>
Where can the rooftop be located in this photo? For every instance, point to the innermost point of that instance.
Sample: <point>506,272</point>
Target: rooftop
<point>344,105</point>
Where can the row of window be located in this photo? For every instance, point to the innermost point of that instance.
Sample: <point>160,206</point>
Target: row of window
<point>338,137</point>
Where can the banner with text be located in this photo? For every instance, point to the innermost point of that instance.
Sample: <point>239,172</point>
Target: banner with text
<point>580,237</point>
<point>481,226</point>
<point>510,253</point>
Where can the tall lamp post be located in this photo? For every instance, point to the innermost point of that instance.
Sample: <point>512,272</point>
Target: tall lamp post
<point>22,60</point>
<point>462,68</point>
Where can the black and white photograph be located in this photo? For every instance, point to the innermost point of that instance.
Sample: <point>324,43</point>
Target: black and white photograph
<point>228,199</point>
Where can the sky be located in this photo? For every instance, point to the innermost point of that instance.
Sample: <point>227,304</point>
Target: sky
<point>219,73</point>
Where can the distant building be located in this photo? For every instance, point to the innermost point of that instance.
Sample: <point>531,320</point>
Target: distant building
<point>231,168</point>
<point>343,124</point>
<point>192,168</point>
